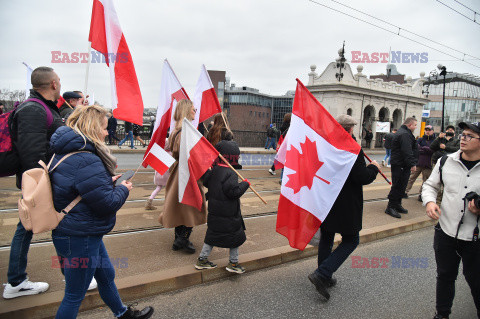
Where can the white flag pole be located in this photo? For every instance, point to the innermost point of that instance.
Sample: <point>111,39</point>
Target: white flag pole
<point>88,68</point>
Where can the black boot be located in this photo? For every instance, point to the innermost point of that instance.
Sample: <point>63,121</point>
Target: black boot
<point>399,208</point>
<point>132,313</point>
<point>178,243</point>
<point>392,211</point>
<point>189,248</point>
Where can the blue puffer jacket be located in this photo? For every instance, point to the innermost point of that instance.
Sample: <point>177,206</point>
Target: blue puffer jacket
<point>83,174</point>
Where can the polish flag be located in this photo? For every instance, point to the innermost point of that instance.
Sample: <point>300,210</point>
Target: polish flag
<point>171,91</point>
<point>317,155</point>
<point>205,99</point>
<point>159,159</point>
<point>196,157</point>
<point>107,38</point>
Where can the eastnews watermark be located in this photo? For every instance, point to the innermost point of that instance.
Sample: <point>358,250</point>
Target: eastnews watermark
<point>394,262</point>
<point>85,262</point>
<point>389,57</point>
<point>82,57</point>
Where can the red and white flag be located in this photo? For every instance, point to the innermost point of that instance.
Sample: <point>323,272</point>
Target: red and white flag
<point>317,155</point>
<point>205,99</point>
<point>107,38</point>
<point>196,157</point>
<point>171,91</point>
<point>159,159</point>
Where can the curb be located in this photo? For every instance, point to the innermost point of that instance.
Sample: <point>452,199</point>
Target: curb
<point>145,285</point>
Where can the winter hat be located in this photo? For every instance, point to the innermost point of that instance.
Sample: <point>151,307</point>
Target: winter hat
<point>231,152</point>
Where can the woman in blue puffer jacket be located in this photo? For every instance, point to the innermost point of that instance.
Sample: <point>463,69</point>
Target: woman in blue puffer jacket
<point>78,237</point>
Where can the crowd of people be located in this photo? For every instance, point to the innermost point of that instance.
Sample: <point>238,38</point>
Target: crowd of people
<point>73,136</point>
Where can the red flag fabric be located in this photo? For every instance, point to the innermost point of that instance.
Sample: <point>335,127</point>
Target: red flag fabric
<point>171,91</point>
<point>159,159</point>
<point>107,37</point>
<point>60,101</point>
<point>205,99</point>
<point>196,157</point>
<point>317,155</point>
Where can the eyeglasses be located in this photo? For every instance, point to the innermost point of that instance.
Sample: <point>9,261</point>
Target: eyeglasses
<point>467,137</point>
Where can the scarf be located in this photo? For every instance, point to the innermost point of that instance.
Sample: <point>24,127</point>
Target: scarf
<point>107,158</point>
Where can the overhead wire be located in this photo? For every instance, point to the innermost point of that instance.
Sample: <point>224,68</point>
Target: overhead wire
<point>474,12</point>
<point>398,32</point>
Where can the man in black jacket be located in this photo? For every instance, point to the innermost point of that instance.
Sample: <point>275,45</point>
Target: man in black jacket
<point>344,218</point>
<point>31,137</point>
<point>445,143</point>
<point>404,160</point>
<point>72,99</point>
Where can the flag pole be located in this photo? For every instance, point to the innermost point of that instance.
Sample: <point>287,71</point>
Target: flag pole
<point>139,167</point>
<point>379,170</point>
<point>88,68</point>
<point>225,121</point>
<point>226,162</point>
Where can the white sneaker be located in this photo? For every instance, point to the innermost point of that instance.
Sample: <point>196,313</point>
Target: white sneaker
<point>271,172</point>
<point>389,165</point>
<point>93,284</point>
<point>24,289</point>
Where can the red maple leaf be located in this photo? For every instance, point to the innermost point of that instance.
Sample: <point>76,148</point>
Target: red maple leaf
<point>305,165</point>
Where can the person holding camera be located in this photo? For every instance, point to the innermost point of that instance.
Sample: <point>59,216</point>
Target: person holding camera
<point>456,234</point>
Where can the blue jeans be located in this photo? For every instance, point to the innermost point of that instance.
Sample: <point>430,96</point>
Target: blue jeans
<point>18,255</point>
<point>82,258</point>
<point>128,136</point>
<point>388,155</point>
<point>328,261</point>
<point>271,142</point>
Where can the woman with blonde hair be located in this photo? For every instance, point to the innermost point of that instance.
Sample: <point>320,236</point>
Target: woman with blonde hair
<point>78,238</point>
<point>175,214</point>
<point>219,131</point>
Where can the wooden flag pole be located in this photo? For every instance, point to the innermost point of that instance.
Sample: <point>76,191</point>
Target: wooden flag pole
<point>226,125</point>
<point>226,162</point>
<point>138,167</point>
<point>388,181</point>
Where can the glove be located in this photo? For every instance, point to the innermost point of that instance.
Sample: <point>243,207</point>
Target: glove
<point>246,180</point>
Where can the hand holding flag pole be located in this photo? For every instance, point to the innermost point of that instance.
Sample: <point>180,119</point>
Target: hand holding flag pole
<point>381,173</point>
<point>226,162</point>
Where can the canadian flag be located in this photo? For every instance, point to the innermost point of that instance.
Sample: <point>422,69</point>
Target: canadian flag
<point>196,157</point>
<point>159,159</point>
<point>171,91</point>
<point>205,99</point>
<point>107,37</point>
<point>317,155</point>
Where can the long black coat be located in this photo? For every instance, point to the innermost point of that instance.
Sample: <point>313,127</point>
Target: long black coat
<point>225,223</point>
<point>346,214</point>
<point>404,148</point>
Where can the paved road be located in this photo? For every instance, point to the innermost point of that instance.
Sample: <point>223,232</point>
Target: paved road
<point>285,292</point>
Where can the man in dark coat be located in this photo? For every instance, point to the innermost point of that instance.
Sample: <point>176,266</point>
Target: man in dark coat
<point>368,138</point>
<point>404,160</point>
<point>31,137</point>
<point>72,99</point>
<point>344,218</point>
<point>424,165</point>
<point>112,129</point>
<point>445,143</point>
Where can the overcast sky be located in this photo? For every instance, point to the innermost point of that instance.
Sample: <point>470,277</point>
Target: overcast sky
<point>264,44</point>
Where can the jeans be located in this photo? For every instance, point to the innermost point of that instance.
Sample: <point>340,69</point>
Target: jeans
<point>82,258</point>
<point>18,255</point>
<point>329,262</point>
<point>400,176</point>
<point>207,249</point>
<point>448,253</point>
<point>128,136</point>
<point>388,155</point>
<point>271,142</point>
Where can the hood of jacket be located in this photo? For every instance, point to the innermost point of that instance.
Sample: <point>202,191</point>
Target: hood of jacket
<point>65,140</point>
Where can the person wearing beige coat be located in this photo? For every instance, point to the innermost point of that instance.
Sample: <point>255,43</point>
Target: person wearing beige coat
<point>175,214</point>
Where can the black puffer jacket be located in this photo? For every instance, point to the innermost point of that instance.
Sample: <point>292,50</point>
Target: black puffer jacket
<point>31,134</point>
<point>451,146</point>
<point>225,223</point>
<point>404,148</point>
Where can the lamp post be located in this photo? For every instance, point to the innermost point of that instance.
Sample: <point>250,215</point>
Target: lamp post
<point>341,62</point>
<point>443,72</point>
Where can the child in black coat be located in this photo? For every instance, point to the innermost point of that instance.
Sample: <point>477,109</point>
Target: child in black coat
<point>226,228</point>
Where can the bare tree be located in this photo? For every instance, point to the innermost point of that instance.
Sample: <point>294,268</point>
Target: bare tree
<point>9,97</point>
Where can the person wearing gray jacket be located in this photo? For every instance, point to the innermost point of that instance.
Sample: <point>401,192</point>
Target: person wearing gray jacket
<point>456,234</point>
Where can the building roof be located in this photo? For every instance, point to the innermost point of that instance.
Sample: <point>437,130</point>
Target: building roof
<point>456,77</point>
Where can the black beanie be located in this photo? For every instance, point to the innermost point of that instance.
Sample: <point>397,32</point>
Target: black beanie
<point>231,152</point>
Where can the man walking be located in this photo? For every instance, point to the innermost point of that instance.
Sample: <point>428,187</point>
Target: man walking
<point>32,127</point>
<point>424,165</point>
<point>404,161</point>
<point>388,147</point>
<point>271,137</point>
<point>344,218</point>
<point>128,135</point>
<point>112,129</point>
<point>456,234</point>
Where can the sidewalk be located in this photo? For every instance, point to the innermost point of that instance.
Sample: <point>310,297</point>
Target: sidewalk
<point>150,267</point>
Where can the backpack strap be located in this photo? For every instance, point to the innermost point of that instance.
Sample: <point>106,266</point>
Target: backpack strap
<point>62,159</point>
<point>47,109</point>
<point>442,162</point>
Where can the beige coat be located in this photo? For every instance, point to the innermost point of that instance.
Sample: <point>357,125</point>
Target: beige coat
<point>174,213</point>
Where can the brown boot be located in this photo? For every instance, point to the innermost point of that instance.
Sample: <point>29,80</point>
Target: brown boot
<point>149,205</point>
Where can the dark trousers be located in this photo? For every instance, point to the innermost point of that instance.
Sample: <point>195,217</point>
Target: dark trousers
<point>400,176</point>
<point>17,264</point>
<point>328,261</point>
<point>112,134</point>
<point>448,253</point>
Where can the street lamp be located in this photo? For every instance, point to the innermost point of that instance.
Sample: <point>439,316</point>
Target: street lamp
<point>443,72</point>
<point>340,62</point>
